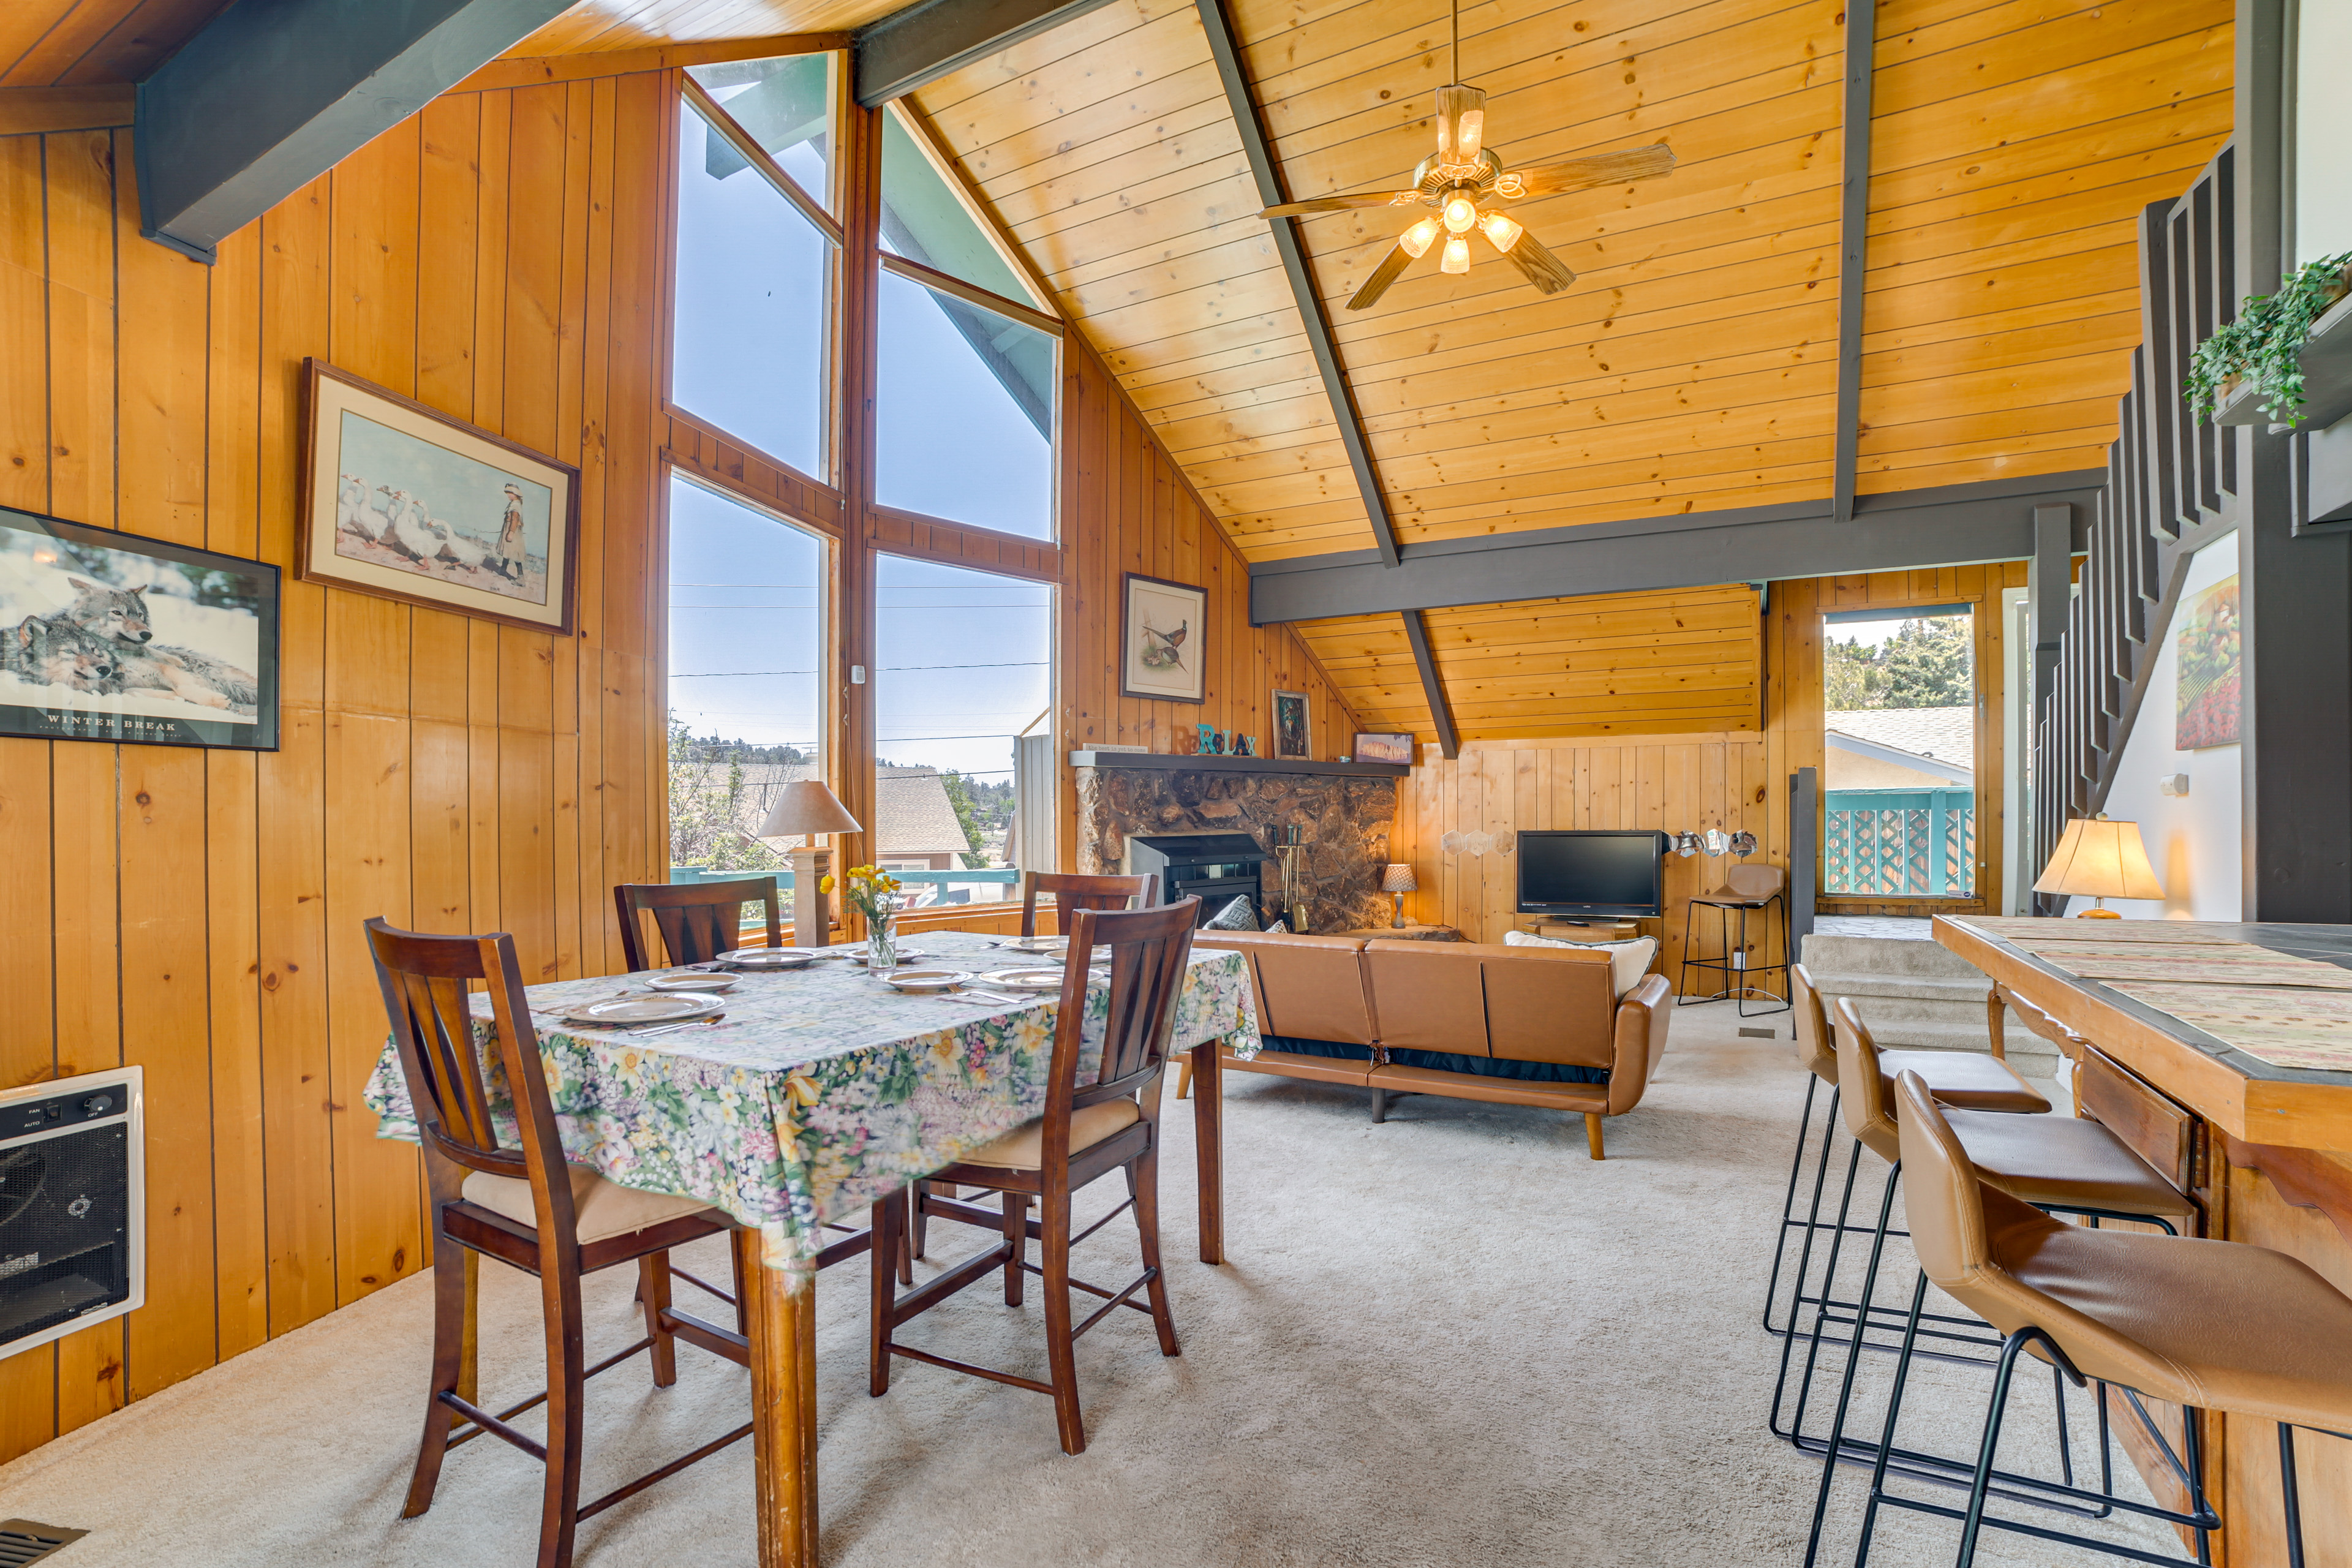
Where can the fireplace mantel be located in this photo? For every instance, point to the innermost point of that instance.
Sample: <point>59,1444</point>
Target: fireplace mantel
<point>1171,763</point>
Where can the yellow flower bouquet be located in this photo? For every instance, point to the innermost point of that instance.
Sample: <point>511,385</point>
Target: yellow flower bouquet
<point>873,893</point>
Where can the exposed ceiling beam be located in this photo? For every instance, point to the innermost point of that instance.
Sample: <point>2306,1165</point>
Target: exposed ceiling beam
<point>1853,250</point>
<point>1441,712</point>
<point>1947,526</point>
<point>273,93</point>
<point>1272,192</point>
<point>901,53</point>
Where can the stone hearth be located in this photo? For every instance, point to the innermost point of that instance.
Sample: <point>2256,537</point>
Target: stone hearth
<point>1344,823</point>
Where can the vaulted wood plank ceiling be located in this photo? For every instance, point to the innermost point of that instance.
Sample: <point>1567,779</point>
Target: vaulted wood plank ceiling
<point>599,25</point>
<point>1692,365</point>
<point>90,42</point>
<point>1599,664</point>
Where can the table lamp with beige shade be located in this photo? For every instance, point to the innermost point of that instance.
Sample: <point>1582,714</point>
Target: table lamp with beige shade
<point>805,809</point>
<point>2100,859</point>
<point>1397,881</point>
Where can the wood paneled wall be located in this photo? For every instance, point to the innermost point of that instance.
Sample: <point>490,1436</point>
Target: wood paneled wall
<point>1129,508</point>
<point>1671,783</point>
<point>2012,149</point>
<point>1687,659</point>
<point>198,912</point>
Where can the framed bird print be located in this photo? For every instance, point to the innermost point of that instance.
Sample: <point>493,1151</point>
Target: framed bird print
<point>403,501</point>
<point>1164,642</point>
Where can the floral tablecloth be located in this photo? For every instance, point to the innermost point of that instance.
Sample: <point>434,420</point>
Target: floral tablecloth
<point>822,1090</point>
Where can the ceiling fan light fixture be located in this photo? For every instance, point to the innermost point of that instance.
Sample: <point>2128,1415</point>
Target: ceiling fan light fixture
<point>1467,134</point>
<point>1502,232</point>
<point>1457,258</point>
<point>1417,239</point>
<point>1461,212</point>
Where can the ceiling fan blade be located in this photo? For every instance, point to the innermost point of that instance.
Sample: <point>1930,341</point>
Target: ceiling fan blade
<point>1460,124</point>
<point>1391,269</point>
<point>1582,174</point>
<point>1547,272</point>
<point>1343,203</point>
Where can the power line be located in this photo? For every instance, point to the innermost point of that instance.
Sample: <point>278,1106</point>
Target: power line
<point>880,669</point>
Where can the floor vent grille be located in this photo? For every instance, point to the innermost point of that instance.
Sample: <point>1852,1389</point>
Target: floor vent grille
<point>23,1542</point>
<point>1759,1034</point>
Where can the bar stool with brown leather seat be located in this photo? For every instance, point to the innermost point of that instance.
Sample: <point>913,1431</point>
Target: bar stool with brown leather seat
<point>528,1208</point>
<point>1745,887</point>
<point>2055,1162</point>
<point>2206,1325</point>
<point>697,921</point>
<point>1072,893</point>
<point>1087,1131</point>
<point>1957,1077</point>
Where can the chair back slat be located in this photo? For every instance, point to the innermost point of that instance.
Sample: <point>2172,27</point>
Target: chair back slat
<point>427,981</point>
<point>698,921</point>
<point>1073,893</point>
<point>1149,950</point>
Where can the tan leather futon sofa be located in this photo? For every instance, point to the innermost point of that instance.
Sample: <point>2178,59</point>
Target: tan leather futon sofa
<point>1345,1010</point>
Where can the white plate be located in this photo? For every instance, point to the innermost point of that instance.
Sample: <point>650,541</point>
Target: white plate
<point>631,1010</point>
<point>1043,944</point>
<point>768,957</point>
<point>1040,980</point>
<point>921,980</point>
<point>857,956</point>
<point>694,981</point>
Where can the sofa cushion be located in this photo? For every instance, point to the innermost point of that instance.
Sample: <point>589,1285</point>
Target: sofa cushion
<point>1426,997</point>
<point>1311,986</point>
<point>1628,960</point>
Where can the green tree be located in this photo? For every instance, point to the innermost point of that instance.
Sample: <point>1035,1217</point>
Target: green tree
<point>967,817</point>
<point>708,807</point>
<point>1852,675</point>
<point>1930,663</point>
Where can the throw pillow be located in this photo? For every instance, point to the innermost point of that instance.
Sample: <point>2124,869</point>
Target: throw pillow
<point>1235,916</point>
<point>1277,928</point>
<point>1628,960</point>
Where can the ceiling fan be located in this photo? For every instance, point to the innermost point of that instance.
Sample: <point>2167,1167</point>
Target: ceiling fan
<point>1463,174</point>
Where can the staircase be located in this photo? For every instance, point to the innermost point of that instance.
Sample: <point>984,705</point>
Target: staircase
<point>1915,992</point>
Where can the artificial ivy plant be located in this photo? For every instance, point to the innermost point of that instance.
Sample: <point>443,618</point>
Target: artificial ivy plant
<point>2265,344</point>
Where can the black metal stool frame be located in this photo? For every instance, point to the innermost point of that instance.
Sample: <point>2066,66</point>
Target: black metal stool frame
<point>1723,933</point>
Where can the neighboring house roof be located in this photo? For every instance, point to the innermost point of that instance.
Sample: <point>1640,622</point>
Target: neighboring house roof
<point>1934,739</point>
<point>912,813</point>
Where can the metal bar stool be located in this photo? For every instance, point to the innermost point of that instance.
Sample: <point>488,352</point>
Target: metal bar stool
<point>1745,886</point>
<point>2206,1325</point>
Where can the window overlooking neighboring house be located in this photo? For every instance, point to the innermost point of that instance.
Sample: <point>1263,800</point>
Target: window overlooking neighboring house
<point>964,666</point>
<point>1899,699</point>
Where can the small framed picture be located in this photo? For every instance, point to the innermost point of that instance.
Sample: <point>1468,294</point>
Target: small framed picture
<point>1292,723</point>
<point>1164,641</point>
<point>404,502</point>
<point>110,637</point>
<point>1396,749</point>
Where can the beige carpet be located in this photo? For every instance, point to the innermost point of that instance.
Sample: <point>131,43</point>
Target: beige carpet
<point>1450,1340</point>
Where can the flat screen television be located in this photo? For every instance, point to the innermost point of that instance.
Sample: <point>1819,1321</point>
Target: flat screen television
<point>1592,872</point>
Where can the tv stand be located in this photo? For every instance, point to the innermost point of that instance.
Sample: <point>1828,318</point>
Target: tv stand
<point>1598,928</point>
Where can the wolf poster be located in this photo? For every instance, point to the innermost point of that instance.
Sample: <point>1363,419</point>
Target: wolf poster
<point>405,502</point>
<point>109,636</point>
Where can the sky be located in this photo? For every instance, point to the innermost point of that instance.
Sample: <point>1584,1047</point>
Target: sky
<point>962,658</point>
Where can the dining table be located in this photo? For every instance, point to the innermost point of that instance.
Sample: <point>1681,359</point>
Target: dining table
<point>820,1089</point>
<point>2221,1052</point>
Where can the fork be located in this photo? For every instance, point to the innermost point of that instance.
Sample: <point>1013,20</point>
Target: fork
<point>673,1028</point>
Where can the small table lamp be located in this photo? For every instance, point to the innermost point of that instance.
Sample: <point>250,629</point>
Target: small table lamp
<point>1397,881</point>
<point>2100,859</point>
<point>805,809</point>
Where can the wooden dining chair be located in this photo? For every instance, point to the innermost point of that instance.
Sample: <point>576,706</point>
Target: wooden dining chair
<point>527,1206</point>
<point>1087,1131</point>
<point>1072,893</point>
<point>698,921</point>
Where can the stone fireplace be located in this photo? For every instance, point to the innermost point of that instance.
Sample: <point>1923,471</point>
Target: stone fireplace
<point>1344,813</point>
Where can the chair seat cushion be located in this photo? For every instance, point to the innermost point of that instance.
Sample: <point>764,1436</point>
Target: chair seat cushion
<point>1964,1080</point>
<point>1024,1148</point>
<point>2063,1163</point>
<point>603,1208</point>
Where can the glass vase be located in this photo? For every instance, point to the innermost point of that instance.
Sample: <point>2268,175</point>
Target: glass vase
<point>882,939</point>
